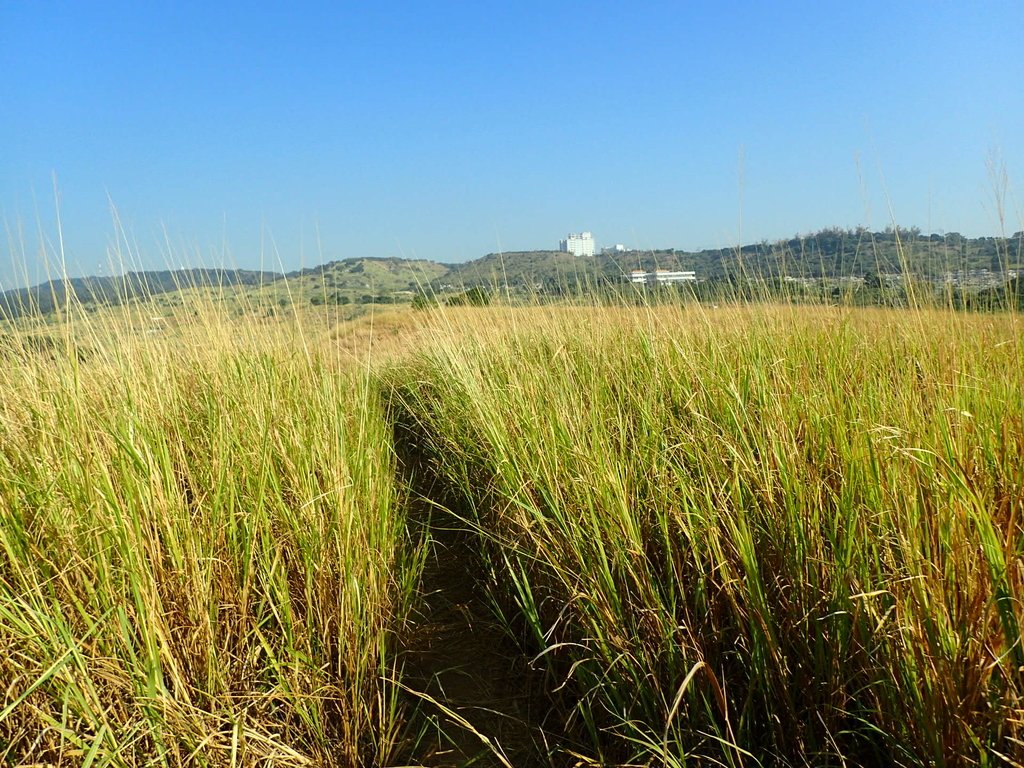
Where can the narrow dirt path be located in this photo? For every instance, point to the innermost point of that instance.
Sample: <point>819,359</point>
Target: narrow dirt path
<point>475,684</point>
<point>476,698</point>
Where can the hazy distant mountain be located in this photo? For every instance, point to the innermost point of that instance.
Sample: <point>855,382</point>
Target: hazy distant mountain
<point>51,295</point>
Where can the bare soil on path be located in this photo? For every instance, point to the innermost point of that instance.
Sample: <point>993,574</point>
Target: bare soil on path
<point>476,685</point>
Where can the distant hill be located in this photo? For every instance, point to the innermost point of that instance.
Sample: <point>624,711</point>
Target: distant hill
<point>336,282</point>
<point>376,274</point>
<point>47,297</point>
<point>830,254</point>
<point>356,281</point>
<point>526,269</point>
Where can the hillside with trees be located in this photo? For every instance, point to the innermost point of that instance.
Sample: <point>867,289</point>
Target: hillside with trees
<point>829,253</point>
<point>875,266</point>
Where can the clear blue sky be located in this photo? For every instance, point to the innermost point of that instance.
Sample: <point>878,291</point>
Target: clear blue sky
<point>449,130</point>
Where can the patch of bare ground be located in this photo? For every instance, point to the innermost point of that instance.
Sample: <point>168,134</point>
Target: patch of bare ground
<point>482,703</point>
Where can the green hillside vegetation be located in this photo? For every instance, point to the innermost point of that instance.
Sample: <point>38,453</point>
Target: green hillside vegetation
<point>853,266</point>
<point>352,281</point>
<point>829,254</point>
<point>835,252</point>
<point>529,271</point>
<point>91,292</point>
<point>389,280</point>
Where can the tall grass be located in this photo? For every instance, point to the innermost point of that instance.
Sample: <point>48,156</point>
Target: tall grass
<point>748,535</point>
<point>203,555</point>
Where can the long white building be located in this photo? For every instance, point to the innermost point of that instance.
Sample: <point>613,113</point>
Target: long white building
<point>661,276</point>
<point>578,244</point>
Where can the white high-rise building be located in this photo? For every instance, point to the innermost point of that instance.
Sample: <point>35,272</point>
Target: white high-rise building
<point>581,244</point>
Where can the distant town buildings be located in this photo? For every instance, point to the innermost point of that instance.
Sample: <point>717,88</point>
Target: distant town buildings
<point>661,276</point>
<point>617,248</point>
<point>581,244</point>
<point>978,278</point>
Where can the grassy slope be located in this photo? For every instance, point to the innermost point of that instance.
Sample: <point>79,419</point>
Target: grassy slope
<point>337,282</point>
<point>354,278</point>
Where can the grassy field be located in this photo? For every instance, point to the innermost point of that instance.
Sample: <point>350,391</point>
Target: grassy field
<point>747,535</point>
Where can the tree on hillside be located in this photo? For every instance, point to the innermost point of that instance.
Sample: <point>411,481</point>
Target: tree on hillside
<point>474,297</point>
<point>423,301</point>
